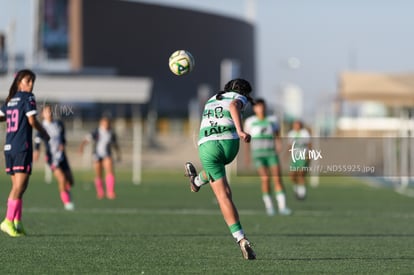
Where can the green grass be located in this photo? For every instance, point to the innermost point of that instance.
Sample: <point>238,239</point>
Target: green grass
<point>159,227</point>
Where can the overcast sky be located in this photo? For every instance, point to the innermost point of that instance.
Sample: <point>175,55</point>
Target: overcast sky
<point>326,36</point>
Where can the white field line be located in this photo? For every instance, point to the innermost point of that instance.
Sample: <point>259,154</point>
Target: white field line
<point>116,211</point>
<point>204,212</point>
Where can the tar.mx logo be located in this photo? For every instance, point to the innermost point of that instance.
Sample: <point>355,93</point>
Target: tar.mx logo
<point>304,153</point>
<point>60,110</point>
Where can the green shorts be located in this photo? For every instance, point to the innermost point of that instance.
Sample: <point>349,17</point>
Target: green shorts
<point>266,161</point>
<point>215,154</point>
<point>299,163</point>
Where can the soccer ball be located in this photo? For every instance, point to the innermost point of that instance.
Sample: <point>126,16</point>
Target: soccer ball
<point>181,62</point>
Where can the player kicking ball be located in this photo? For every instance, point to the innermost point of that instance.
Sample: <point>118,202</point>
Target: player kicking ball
<point>220,131</point>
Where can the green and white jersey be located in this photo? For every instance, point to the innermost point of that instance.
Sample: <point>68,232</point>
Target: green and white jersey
<point>216,123</point>
<point>301,138</point>
<point>263,135</point>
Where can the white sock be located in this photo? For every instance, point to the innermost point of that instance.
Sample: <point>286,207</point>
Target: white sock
<point>301,190</point>
<point>267,199</point>
<point>198,181</point>
<point>281,200</point>
<point>238,235</point>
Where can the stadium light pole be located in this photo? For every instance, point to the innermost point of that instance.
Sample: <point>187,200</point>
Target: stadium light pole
<point>229,69</point>
<point>404,149</point>
<point>411,139</point>
<point>11,54</point>
<point>250,10</point>
<point>137,146</point>
<point>33,33</point>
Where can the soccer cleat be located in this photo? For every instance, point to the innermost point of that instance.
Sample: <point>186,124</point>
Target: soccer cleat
<point>300,197</point>
<point>19,227</point>
<point>69,206</point>
<point>100,196</point>
<point>270,211</point>
<point>8,227</point>
<point>247,250</point>
<point>300,192</point>
<point>285,211</point>
<point>191,172</point>
<point>111,195</point>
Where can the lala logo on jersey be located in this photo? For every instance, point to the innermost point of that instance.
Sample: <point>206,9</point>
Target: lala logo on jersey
<point>214,130</point>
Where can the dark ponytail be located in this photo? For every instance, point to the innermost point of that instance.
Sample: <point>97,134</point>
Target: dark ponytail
<point>237,85</point>
<point>15,85</point>
<point>219,95</point>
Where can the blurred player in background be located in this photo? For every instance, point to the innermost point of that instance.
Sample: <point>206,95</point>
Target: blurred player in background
<point>56,155</point>
<point>104,139</point>
<point>299,139</point>
<point>263,151</point>
<point>220,131</point>
<point>19,112</point>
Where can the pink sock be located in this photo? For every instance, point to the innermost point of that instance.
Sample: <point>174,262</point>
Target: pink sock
<point>110,185</point>
<point>65,197</point>
<point>99,188</point>
<point>11,209</point>
<point>19,210</point>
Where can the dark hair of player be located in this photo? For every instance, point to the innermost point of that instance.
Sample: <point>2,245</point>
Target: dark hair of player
<point>238,85</point>
<point>19,76</point>
<point>299,122</point>
<point>260,101</point>
<point>47,106</point>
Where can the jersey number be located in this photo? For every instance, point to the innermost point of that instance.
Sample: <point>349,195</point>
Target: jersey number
<point>217,113</point>
<point>12,120</point>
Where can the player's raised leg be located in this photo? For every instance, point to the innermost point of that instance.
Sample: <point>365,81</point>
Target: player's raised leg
<point>63,191</point>
<point>196,181</point>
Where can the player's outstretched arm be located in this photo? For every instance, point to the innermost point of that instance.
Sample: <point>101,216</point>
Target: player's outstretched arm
<point>235,107</point>
<point>37,144</point>
<point>83,144</point>
<point>118,152</point>
<point>36,124</point>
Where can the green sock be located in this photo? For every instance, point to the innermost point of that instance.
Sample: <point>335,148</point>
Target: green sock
<point>237,231</point>
<point>203,179</point>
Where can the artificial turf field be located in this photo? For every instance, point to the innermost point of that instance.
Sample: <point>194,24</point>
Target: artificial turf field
<point>160,227</point>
